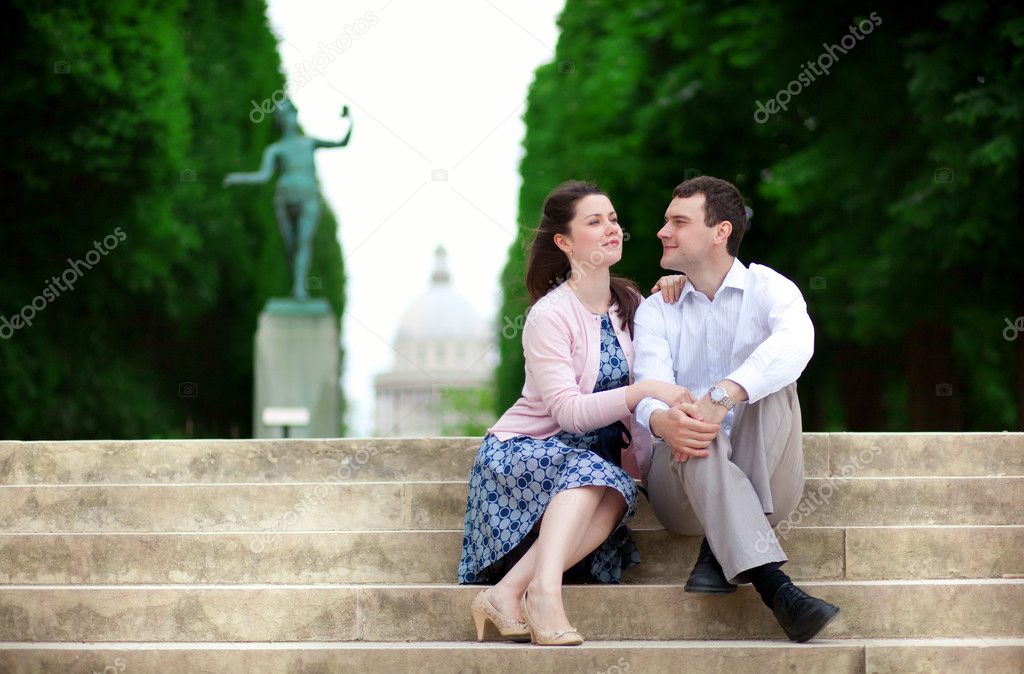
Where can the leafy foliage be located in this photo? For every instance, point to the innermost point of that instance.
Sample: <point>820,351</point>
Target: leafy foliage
<point>887,189</point>
<point>127,116</point>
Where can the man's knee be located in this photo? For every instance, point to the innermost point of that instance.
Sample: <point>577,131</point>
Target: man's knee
<point>701,470</point>
<point>698,470</point>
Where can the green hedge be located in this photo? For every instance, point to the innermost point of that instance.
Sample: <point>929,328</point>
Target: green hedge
<point>125,117</point>
<point>888,190</point>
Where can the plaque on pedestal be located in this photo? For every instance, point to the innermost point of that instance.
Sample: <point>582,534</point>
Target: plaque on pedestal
<point>296,366</point>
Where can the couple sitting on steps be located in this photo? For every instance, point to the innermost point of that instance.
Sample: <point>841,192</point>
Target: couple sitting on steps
<point>713,359</point>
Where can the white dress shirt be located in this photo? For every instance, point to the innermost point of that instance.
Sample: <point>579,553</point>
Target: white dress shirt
<point>756,332</point>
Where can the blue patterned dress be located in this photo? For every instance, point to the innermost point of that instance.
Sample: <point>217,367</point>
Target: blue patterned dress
<point>512,482</point>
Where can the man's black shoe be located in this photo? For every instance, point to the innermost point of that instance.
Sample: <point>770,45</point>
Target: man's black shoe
<point>707,576</point>
<point>801,615</point>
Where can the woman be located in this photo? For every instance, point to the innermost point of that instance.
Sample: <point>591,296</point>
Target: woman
<point>552,457</point>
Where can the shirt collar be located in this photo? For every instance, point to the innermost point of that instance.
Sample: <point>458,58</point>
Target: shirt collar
<point>736,278</point>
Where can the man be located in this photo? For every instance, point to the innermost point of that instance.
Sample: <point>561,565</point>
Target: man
<point>731,464</point>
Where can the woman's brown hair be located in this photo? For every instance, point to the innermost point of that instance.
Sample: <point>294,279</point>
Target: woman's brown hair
<point>547,266</point>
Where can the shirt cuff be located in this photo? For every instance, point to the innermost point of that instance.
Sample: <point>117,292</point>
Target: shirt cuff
<point>645,408</point>
<point>751,380</point>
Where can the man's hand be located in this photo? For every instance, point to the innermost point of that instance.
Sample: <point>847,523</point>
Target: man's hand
<point>710,412</point>
<point>684,430</point>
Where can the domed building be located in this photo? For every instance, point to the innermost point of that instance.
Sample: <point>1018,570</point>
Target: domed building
<point>440,383</point>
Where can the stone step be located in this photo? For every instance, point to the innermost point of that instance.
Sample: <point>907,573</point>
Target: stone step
<point>441,505</point>
<point>855,553</point>
<point>390,459</point>
<point>224,461</point>
<point>230,613</point>
<point>848,656</point>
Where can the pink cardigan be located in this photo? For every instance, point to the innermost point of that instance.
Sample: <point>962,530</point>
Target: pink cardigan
<point>562,346</point>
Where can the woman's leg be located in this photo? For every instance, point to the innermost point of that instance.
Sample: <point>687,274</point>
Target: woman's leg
<point>609,513</point>
<point>566,519</point>
<point>560,530</point>
<point>509,590</point>
<point>605,518</point>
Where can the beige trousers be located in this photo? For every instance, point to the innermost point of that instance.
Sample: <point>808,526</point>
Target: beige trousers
<point>752,480</point>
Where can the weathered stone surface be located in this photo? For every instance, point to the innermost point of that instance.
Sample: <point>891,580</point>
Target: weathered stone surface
<point>949,656</point>
<point>934,552</point>
<point>610,657</point>
<point>261,507</point>
<point>210,558</point>
<point>889,609</point>
<point>827,502</point>
<point>920,454</point>
<point>848,656</point>
<point>448,459</point>
<point>909,500</point>
<point>347,550</point>
<point>816,454</point>
<point>871,553</point>
<point>218,461</point>
<point>178,614</point>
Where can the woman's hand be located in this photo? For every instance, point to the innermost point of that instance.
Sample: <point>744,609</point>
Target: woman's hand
<point>670,394</point>
<point>671,287</point>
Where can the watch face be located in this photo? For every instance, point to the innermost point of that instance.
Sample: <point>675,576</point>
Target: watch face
<point>717,394</point>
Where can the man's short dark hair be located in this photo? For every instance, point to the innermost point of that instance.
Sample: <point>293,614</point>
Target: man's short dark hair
<point>722,201</point>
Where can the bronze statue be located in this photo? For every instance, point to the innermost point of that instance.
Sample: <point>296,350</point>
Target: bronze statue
<point>297,199</point>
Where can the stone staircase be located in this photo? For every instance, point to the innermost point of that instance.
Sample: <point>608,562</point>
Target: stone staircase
<point>340,556</point>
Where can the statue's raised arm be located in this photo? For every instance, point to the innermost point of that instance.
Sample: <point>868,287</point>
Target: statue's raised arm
<point>319,142</point>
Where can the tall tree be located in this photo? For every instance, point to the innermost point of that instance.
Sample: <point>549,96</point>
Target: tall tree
<point>859,179</point>
<point>122,119</point>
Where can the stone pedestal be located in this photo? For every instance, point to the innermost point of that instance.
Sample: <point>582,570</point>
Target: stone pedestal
<point>296,365</point>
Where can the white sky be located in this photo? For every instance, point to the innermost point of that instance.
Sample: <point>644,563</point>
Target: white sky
<point>431,86</point>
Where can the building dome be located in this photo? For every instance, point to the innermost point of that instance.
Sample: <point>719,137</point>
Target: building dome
<point>440,312</point>
<point>444,358</point>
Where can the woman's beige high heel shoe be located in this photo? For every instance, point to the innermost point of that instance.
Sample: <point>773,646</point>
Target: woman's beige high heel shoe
<point>483,610</point>
<point>569,637</point>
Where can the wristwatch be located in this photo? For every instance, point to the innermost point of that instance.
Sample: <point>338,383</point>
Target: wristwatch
<point>720,396</point>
